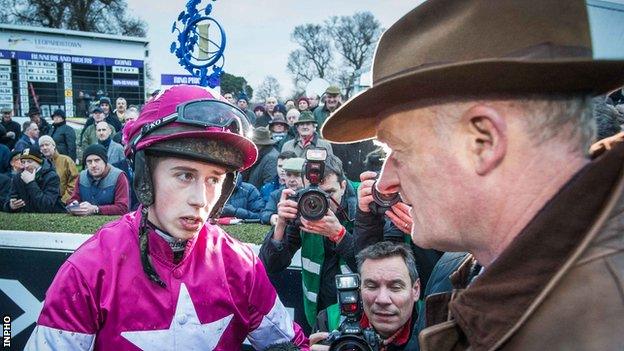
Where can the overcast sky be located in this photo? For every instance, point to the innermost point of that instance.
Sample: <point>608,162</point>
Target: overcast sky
<point>257,31</point>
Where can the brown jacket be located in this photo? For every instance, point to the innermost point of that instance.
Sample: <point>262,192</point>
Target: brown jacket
<point>67,172</point>
<point>558,286</point>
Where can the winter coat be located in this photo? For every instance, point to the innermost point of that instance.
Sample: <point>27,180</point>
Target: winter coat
<point>23,143</point>
<point>245,202</point>
<point>270,207</point>
<point>42,195</point>
<point>265,169</point>
<point>557,285</point>
<point>65,138</point>
<point>68,174</point>
<point>14,127</point>
<point>295,146</point>
<point>89,136</point>
<point>214,298</point>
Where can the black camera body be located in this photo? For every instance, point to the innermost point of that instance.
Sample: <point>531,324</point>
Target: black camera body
<point>350,336</point>
<point>312,202</point>
<point>382,202</point>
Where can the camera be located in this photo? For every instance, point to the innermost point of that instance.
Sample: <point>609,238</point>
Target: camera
<point>312,202</point>
<point>382,202</point>
<point>350,336</point>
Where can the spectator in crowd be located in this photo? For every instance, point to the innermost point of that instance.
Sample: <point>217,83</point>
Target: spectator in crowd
<point>13,129</point>
<point>36,188</point>
<point>120,109</point>
<point>89,134</point>
<point>292,116</point>
<point>230,98</point>
<point>109,116</point>
<point>100,187</point>
<point>269,105</point>
<point>5,154</point>
<point>500,168</point>
<point>166,269</point>
<point>132,113</point>
<point>64,136</point>
<point>292,167</point>
<point>15,162</point>
<point>303,104</point>
<point>5,189</point>
<point>82,104</point>
<point>262,119</point>
<point>327,245</point>
<point>313,101</point>
<point>29,136</point>
<point>35,116</point>
<point>245,202</point>
<point>264,170</point>
<point>306,136</point>
<point>279,130</point>
<point>64,166</point>
<point>332,102</point>
<point>289,104</point>
<point>390,286</point>
<point>280,178</point>
<point>114,151</point>
<point>243,104</point>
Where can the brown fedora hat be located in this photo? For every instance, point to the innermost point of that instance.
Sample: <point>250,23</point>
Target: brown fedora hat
<point>470,47</point>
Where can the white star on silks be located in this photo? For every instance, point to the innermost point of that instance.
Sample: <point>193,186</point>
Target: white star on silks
<point>185,332</point>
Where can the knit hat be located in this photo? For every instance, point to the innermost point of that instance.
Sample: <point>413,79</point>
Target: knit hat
<point>242,97</point>
<point>294,165</point>
<point>59,113</point>
<point>105,100</point>
<point>259,108</point>
<point>46,138</point>
<point>95,149</point>
<point>303,98</point>
<point>97,109</point>
<point>32,153</point>
<point>306,117</point>
<point>34,110</point>
<point>262,136</point>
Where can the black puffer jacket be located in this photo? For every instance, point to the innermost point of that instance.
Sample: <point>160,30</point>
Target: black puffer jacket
<point>41,195</point>
<point>65,138</point>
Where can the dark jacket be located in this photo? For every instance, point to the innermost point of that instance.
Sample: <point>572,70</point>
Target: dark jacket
<point>44,127</point>
<point>277,255</point>
<point>270,207</point>
<point>111,118</point>
<point>245,202</point>
<point>265,169</point>
<point>557,285</point>
<point>65,138</point>
<point>5,188</point>
<point>41,195</point>
<point>24,143</point>
<point>5,159</point>
<point>14,127</point>
<point>370,229</point>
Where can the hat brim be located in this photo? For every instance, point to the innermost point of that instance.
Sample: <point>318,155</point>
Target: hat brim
<point>264,142</point>
<point>469,79</point>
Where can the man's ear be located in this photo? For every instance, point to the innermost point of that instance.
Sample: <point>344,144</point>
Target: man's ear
<point>487,137</point>
<point>416,289</point>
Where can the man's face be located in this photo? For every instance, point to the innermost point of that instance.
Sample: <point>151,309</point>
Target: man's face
<point>278,128</point>
<point>303,105</point>
<point>242,104</point>
<point>95,166</point>
<point>102,130</point>
<point>105,107</point>
<point>388,295</point>
<point>314,101</point>
<point>331,101</point>
<point>36,118</point>
<point>47,148</point>
<point>281,174</point>
<point>6,117</point>
<point>185,193</point>
<point>57,119</point>
<point>29,165</point>
<point>291,118</point>
<point>98,116</point>
<point>270,104</point>
<point>121,105</point>
<point>293,180</point>
<point>229,98</point>
<point>430,174</point>
<point>305,129</point>
<point>33,131</point>
<point>334,188</point>
<point>259,113</point>
<point>16,164</point>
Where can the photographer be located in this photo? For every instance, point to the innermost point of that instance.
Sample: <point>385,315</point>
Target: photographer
<point>389,292</point>
<point>326,244</point>
<point>375,223</point>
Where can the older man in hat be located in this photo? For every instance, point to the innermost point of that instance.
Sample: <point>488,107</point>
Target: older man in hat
<point>486,108</point>
<point>13,129</point>
<point>331,99</point>
<point>65,167</point>
<point>307,137</point>
<point>264,170</point>
<point>64,136</point>
<point>35,116</point>
<point>36,187</point>
<point>280,128</point>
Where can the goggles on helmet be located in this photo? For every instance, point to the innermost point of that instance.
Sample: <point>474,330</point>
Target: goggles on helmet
<point>201,113</point>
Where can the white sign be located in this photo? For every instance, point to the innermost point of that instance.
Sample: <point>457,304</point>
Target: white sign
<point>5,76</point>
<point>125,70</point>
<point>41,78</point>
<point>42,71</point>
<point>6,99</point>
<point>32,63</point>
<point>5,68</point>
<point>6,83</point>
<point>6,62</point>
<point>6,91</point>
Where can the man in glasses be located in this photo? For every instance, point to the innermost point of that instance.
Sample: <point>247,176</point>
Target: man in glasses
<point>163,277</point>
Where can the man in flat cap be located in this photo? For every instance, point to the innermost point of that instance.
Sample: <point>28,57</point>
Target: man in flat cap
<point>485,105</point>
<point>331,98</point>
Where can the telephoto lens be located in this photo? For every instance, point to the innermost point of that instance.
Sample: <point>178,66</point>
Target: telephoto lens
<point>382,202</point>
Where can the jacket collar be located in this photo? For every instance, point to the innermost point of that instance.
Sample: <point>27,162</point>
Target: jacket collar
<point>500,299</point>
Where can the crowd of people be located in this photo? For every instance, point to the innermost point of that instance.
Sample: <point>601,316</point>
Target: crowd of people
<point>507,233</point>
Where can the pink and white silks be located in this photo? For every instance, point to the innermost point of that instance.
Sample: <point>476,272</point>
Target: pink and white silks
<point>217,296</point>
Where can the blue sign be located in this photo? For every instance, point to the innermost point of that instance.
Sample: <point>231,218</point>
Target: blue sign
<point>175,79</point>
<point>84,60</point>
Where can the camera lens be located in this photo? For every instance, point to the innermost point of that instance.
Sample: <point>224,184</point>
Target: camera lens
<point>385,200</point>
<point>313,205</point>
